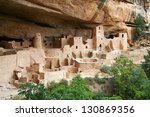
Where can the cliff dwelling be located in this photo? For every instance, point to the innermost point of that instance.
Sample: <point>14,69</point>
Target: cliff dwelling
<point>53,40</point>
<point>36,60</point>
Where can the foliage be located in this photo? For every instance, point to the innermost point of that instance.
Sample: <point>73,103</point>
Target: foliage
<point>140,26</point>
<point>77,90</point>
<point>146,64</point>
<point>57,91</point>
<point>114,97</point>
<point>146,88</point>
<point>100,80</point>
<point>128,79</point>
<point>80,90</point>
<point>98,96</point>
<point>96,75</point>
<point>101,96</point>
<point>106,69</point>
<point>33,91</point>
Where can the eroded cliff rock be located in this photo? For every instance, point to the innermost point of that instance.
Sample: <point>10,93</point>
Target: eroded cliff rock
<point>12,27</point>
<point>63,16</point>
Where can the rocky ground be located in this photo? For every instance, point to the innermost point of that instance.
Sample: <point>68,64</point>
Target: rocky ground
<point>143,42</point>
<point>8,91</point>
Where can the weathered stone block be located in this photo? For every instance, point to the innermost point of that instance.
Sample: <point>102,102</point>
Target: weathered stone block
<point>53,76</point>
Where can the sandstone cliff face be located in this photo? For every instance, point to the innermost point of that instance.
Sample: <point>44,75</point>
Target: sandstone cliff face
<point>81,9</point>
<point>12,27</point>
<point>118,14</point>
<point>45,16</point>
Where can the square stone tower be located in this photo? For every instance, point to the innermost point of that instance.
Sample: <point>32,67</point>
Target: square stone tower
<point>99,37</point>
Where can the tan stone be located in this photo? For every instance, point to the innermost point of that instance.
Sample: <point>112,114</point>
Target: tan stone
<point>54,63</point>
<point>36,67</point>
<point>113,14</point>
<point>53,76</point>
<point>37,56</point>
<point>26,30</point>
<point>23,58</point>
<point>83,65</point>
<point>38,41</point>
<point>68,56</point>
<point>23,80</point>
<point>78,44</point>
<point>53,52</point>
<point>102,43</point>
<point>7,67</point>
<point>35,78</point>
<point>89,44</point>
<point>67,51</point>
<point>70,69</point>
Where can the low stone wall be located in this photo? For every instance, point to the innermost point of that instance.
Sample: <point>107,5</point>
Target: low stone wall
<point>53,76</point>
<point>70,69</point>
<point>53,52</point>
<point>85,65</point>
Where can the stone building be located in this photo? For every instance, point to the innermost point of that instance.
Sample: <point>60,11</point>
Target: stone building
<point>60,58</point>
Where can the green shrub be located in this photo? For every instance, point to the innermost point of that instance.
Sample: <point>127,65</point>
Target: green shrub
<point>80,89</point>
<point>146,88</point>
<point>146,64</point>
<point>100,80</point>
<point>98,96</point>
<point>140,26</point>
<point>106,69</point>
<point>96,75</point>
<point>128,79</point>
<point>58,91</point>
<point>33,91</point>
<point>114,97</point>
<point>77,90</point>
